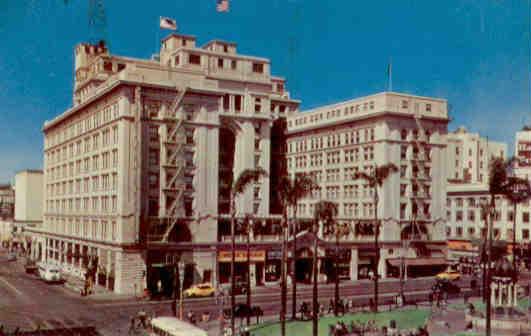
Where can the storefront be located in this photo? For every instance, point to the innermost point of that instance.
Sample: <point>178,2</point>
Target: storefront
<point>272,266</point>
<point>343,264</point>
<point>257,260</point>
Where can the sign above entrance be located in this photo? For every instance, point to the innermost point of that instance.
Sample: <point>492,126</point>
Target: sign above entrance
<point>241,256</point>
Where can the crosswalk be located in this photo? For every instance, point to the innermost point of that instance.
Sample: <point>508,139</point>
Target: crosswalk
<point>28,321</point>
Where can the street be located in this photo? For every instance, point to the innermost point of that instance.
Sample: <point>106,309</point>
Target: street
<point>29,303</point>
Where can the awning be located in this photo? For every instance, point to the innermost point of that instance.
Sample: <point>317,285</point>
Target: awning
<point>418,261</point>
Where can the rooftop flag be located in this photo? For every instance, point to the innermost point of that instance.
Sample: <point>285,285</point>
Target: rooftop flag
<point>222,5</point>
<point>167,23</point>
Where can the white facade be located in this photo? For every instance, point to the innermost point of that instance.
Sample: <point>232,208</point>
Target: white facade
<point>332,143</point>
<point>29,196</point>
<point>140,149</point>
<point>468,156</point>
<point>466,221</point>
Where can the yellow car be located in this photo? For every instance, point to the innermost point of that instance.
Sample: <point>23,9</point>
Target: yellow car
<point>449,275</point>
<point>204,289</point>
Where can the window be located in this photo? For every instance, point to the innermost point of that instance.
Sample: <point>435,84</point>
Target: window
<point>257,105</point>
<point>525,234</point>
<point>258,67</point>
<point>404,104</point>
<point>238,103</point>
<point>525,217</point>
<point>428,107</point>
<point>471,215</point>
<point>220,62</point>
<point>233,64</point>
<point>459,231</point>
<point>194,59</point>
<point>459,216</point>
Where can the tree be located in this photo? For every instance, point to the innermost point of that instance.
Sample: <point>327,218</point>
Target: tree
<point>246,178</point>
<point>324,214</point>
<point>332,227</point>
<point>498,185</point>
<point>290,192</point>
<point>375,179</point>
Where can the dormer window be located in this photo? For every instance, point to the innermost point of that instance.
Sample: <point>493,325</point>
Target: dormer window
<point>258,67</point>
<point>428,107</point>
<point>194,59</point>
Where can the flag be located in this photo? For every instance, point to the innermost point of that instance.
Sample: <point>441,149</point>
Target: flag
<point>167,23</point>
<point>222,5</point>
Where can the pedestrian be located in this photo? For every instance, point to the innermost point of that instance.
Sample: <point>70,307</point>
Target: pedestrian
<point>142,316</point>
<point>131,325</point>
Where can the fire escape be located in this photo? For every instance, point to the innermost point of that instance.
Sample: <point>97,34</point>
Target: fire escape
<point>172,167</point>
<point>419,178</point>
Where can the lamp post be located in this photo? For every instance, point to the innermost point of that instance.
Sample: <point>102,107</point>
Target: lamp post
<point>249,226</point>
<point>181,279</point>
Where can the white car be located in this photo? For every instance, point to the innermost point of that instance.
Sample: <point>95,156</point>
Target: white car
<point>49,273</point>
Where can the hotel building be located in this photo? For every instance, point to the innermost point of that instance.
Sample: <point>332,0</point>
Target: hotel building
<point>137,173</point>
<point>334,142</point>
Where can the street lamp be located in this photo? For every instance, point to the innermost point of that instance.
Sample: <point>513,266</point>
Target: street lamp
<point>181,279</point>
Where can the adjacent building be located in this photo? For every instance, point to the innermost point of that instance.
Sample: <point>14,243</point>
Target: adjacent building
<point>138,173</point>
<point>28,203</point>
<point>7,202</point>
<point>468,156</point>
<point>332,143</point>
<point>522,151</point>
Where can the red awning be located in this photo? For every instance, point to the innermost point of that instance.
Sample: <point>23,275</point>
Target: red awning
<point>418,261</point>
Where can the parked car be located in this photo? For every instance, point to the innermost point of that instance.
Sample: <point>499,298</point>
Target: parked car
<point>449,275</point>
<point>200,290</point>
<point>30,266</point>
<point>12,256</point>
<point>49,273</point>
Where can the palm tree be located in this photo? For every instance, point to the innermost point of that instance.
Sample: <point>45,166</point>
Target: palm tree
<point>498,185</point>
<point>376,178</point>
<point>290,192</point>
<point>324,214</point>
<point>332,227</point>
<point>246,178</point>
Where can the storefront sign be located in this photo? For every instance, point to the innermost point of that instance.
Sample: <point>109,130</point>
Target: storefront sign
<point>241,256</point>
<point>274,255</point>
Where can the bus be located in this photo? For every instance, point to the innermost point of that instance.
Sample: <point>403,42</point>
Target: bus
<point>171,326</point>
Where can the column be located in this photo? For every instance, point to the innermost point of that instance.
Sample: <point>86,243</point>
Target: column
<point>354,264</point>
<point>98,253</point>
<point>252,270</point>
<point>493,289</point>
<point>108,268</point>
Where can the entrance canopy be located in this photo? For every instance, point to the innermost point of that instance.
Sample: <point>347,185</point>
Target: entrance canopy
<point>306,239</point>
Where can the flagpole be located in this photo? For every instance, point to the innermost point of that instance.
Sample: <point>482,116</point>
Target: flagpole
<point>390,75</point>
<point>157,36</point>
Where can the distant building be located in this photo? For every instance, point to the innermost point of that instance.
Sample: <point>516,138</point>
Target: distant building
<point>466,220</point>
<point>7,201</point>
<point>138,173</point>
<point>468,156</point>
<point>28,202</point>
<point>522,151</point>
<point>334,142</point>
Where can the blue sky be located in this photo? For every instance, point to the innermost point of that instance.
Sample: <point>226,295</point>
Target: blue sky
<point>473,53</point>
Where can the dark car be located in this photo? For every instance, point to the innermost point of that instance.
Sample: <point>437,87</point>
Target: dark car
<point>446,286</point>
<point>242,310</point>
<point>30,267</point>
<point>240,287</point>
